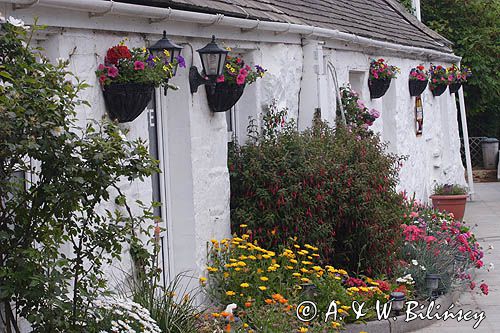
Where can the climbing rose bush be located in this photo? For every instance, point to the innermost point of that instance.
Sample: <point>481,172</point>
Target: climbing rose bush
<point>356,112</point>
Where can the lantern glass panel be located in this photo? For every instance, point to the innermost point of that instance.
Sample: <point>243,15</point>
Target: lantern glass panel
<point>211,63</point>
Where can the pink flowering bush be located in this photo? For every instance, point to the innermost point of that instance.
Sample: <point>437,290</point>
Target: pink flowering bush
<point>419,73</point>
<point>357,114</point>
<point>379,69</point>
<point>236,72</point>
<point>434,242</point>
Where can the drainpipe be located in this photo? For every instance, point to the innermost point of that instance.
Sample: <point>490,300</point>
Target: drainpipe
<point>416,8</point>
<point>465,131</point>
<point>155,14</point>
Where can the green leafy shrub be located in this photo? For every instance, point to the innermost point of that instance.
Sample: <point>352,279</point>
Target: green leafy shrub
<point>56,180</point>
<point>331,187</point>
<point>449,189</point>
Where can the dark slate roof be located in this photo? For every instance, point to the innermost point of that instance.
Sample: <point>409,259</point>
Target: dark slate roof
<point>384,20</point>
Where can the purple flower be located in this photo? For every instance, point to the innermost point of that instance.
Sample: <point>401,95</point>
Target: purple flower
<point>150,60</point>
<point>181,61</point>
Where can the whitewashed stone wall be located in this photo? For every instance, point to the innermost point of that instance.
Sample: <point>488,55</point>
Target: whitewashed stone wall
<point>433,157</point>
<point>194,140</point>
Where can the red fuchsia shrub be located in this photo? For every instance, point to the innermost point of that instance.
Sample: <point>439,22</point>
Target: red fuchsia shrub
<point>434,242</point>
<point>333,188</point>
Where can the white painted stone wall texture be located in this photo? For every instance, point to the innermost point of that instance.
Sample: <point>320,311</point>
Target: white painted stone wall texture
<point>196,139</point>
<point>433,157</point>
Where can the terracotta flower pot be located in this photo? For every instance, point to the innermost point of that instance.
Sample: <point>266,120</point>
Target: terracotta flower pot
<point>126,101</point>
<point>378,87</point>
<point>225,96</point>
<point>454,204</point>
<point>417,87</point>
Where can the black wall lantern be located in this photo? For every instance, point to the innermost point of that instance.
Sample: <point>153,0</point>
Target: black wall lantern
<point>158,50</point>
<point>213,60</point>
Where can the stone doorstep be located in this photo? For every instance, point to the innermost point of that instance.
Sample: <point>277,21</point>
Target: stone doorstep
<point>399,325</point>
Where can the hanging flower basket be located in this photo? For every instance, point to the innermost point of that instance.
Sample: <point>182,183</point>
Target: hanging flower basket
<point>225,96</point>
<point>454,87</point>
<point>439,89</point>
<point>126,101</point>
<point>417,87</point>
<point>378,87</point>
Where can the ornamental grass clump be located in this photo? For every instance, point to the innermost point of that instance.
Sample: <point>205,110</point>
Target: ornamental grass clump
<point>331,187</point>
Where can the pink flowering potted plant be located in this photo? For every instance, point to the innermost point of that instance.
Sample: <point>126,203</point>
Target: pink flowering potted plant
<point>457,76</point>
<point>439,80</point>
<point>419,77</point>
<point>380,77</point>
<point>128,77</point>
<point>231,84</point>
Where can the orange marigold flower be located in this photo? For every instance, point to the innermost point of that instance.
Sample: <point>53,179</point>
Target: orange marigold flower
<point>268,301</point>
<point>248,304</point>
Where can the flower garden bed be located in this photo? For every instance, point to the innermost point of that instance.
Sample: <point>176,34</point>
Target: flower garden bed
<point>266,288</point>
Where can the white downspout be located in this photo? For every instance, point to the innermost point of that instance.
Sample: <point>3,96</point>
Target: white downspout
<point>100,7</point>
<point>416,7</point>
<point>465,131</point>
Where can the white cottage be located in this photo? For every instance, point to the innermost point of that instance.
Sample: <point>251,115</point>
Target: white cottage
<point>309,48</point>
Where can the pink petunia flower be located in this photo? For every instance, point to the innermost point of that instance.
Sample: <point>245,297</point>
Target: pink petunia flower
<point>220,79</point>
<point>138,65</point>
<point>240,79</point>
<point>112,71</point>
<point>101,67</point>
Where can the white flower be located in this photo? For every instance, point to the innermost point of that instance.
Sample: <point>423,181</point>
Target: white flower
<point>414,262</point>
<point>16,22</point>
<point>422,268</point>
<point>5,84</point>
<point>57,131</point>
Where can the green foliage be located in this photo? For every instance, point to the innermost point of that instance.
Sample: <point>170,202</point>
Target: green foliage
<point>56,180</point>
<point>473,27</point>
<point>172,307</point>
<point>331,187</point>
<point>449,189</point>
<point>407,4</point>
<point>436,243</point>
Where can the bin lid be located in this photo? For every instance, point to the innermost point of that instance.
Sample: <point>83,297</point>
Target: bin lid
<point>489,140</point>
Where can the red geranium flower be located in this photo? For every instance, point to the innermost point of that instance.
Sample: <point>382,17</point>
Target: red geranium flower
<point>116,53</point>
